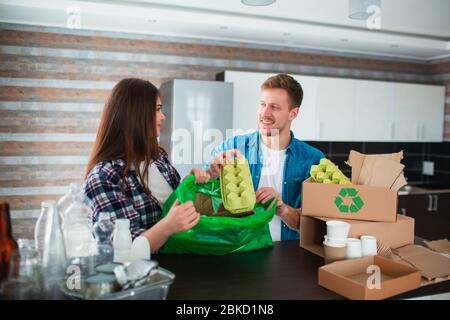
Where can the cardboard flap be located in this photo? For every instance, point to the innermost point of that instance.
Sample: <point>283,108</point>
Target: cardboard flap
<point>385,173</point>
<point>363,165</point>
<point>441,246</point>
<point>431,264</point>
<point>400,182</point>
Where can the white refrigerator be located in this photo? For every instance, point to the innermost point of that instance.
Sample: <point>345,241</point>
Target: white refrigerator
<point>199,116</point>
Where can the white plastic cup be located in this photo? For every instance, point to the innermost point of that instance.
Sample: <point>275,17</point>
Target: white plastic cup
<point>334,242</point>
<point>140,249</point>
<point>354,249</point>
<point>368,246</point>
<point>337,229</point>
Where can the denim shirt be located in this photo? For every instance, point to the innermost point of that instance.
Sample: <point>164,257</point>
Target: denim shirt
<point>299,158</point>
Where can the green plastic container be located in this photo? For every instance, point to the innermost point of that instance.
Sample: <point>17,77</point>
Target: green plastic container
<point>236,185</point>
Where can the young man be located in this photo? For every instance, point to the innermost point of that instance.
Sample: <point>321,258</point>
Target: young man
<point>279,162</point>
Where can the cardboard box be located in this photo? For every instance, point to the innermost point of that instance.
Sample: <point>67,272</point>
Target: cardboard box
<point>356,279</point>
<point>431,264</point>
<point>353,202</point>
<point>391,234</point>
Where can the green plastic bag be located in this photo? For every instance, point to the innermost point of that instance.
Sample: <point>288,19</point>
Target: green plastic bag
<point>218,235</point>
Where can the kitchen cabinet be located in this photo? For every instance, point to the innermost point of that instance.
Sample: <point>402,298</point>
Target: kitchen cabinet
<point>431,212</point>
<point>374,111</point>
<point>334,109</point>
<point>339,109</point>
<point>304,126</point>
<point>418,112</point>
<point>246,98</point>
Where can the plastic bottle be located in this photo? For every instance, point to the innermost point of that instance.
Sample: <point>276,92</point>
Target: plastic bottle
<point>77,231</point>
<point>65,201</point>
<point>122,241</point>
<point>103,230</point>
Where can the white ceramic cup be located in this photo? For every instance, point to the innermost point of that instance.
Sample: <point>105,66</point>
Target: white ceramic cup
<point>334,242</point>
<point>337,229</point>
<point>354,249</point>
<point>368,246</point>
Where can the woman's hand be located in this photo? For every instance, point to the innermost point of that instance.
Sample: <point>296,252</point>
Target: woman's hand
<point>220,159</point>
<point>181,217</point>
<point>200,175</point>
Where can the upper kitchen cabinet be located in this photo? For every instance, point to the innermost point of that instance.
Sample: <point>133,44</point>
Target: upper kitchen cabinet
<point>334,109</point>
<point>373,111</point>
<point>338,109</point>
<point>246,98</point>
<point>419,112</point>
<point>304,126</point>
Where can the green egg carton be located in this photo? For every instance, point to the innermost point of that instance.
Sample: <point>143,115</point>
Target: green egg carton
<point>236,185</point>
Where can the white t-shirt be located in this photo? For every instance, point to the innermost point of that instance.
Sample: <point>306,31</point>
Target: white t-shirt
<point>272,176</point>
<point>158,186</point>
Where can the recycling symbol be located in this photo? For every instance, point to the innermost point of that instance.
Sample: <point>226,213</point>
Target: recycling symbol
<point>343,206</point>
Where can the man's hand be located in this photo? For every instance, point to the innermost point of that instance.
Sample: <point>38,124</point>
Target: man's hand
<point>220,159</point>
<point>265,194</point>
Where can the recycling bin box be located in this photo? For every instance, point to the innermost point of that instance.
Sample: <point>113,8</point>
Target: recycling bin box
<point>351,202</point>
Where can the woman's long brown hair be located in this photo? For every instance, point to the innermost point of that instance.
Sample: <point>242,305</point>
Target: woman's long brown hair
<point>127,128</point>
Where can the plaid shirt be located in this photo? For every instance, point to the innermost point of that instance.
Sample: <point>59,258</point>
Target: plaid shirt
<point>103,189</point>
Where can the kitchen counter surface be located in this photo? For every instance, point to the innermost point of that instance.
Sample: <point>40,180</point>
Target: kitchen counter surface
<point>419,190</point>
<point>285,271</point>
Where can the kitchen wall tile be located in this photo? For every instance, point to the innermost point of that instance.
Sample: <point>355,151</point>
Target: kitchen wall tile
<point>441,163</point>
<point>378,147</point>
<point>343,148</point>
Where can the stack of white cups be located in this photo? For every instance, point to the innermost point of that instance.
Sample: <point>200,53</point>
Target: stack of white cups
<point>364,247</point>
<point>335,240</point>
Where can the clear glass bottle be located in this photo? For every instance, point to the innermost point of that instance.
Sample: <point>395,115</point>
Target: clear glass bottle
<point>39,229</point>
<point>103,230</point>
<point>54,261</point>
<point>24,279</point>
<point>122,241</point>
<point>54,251</point>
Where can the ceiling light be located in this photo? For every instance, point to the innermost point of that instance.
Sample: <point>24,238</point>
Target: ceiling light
<point>357,9</point>
<point>258,3</point>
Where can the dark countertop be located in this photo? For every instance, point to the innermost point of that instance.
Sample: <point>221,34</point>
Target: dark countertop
<point>418,189</point>
<point>285,271</point>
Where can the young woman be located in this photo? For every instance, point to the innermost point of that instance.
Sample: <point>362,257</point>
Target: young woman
<point>129,175</point>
